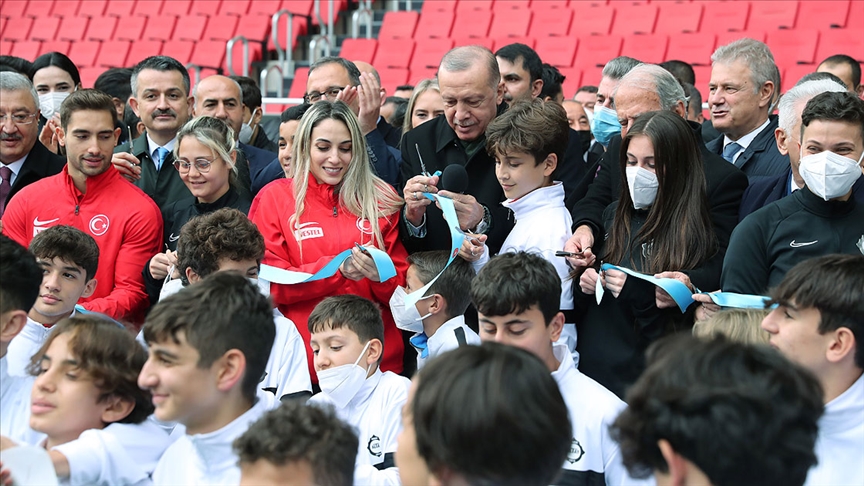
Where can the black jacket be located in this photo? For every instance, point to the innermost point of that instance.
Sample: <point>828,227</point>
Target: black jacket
<point>761,159</point>
<point>40,163</point>
<point>766,191</point>
<point>263,142</point>
<point>725,187</point>
<point>392,135</point>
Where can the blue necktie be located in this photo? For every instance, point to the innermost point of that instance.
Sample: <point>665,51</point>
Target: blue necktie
<point>161,153</point>
<point>730,150</point>
<point>419,342</point>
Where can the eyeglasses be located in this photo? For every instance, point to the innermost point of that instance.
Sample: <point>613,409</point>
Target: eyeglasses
<point>18,119</point>
<point>202,164</point>
<point>330,94</point>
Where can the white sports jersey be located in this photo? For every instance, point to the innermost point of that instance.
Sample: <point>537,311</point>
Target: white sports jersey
<point>15,407</point>
<point>840,444</point>
<point>450,335</point>
<point>287,369</point>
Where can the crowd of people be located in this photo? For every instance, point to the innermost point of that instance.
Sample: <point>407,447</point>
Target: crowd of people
<point>471,281</point>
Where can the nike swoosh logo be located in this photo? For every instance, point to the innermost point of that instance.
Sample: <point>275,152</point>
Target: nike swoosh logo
<point>173,238</point>
<point>36,221</point>
<point>799,245</point>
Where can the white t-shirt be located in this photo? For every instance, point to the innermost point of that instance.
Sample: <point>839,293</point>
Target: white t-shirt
<point>840,444</point>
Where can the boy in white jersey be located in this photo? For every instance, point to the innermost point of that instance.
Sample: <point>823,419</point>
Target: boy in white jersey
<point>69,259</point>
<point>347,339</point>
<point>437,319</point>
<point>528,142</point>
<point>516,296</point>
<point>208,348</point>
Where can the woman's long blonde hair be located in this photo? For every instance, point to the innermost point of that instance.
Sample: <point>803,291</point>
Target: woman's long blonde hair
<point>739,325</point>
<point>421,88</point>
<point>361,192</point>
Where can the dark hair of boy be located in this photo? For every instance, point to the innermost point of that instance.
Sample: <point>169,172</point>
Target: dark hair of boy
<point>839,107</point>
<point>109,355</point>
<point>587,89</point>
<point>833,285</point>
<point>358,315</point>
<point>224,311</point>
<point>296,432</point>
<point>552,81</point>
<point>532,127</point>
<point>251,91</point>
<point>20,277</point>
<point>115,82</point>
<point>854,66</point>
<point>68,244</point>
<point>741,413</point>
<point>454,284</point>
<point>208,238</point>
<point>470,416</point>
<point>512,282</point>
<point>295,112</point>
<point>529,59</point>
<point>819,75</point>
<point>86,100</point>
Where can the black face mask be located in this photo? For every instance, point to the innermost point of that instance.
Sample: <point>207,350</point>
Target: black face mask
<point>585,139</point>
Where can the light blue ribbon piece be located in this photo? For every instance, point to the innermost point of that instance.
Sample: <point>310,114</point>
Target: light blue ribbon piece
<point>383,263</point>
<point>739,301</point>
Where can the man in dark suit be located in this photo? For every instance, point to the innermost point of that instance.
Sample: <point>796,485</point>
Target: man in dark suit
<point>23,159</point>
<point>647,88</point>
<point>744,87</point>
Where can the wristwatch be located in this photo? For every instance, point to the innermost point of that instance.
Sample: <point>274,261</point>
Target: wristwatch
<point>484,223</point>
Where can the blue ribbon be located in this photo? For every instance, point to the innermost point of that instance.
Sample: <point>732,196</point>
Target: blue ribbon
<point>682,295</point>
<point>383,263</point>
<point>419,341</point>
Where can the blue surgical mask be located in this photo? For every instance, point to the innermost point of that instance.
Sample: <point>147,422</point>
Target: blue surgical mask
<point>604,125</point>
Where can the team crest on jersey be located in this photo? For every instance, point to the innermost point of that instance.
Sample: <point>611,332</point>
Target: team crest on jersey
<point>307,231</point>
<point>576,452</point>
<point>99,225</point>
<point>374,446</point>
<point>364,226</point>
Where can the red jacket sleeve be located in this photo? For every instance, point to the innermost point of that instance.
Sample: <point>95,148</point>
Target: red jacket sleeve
<point>15,219</point>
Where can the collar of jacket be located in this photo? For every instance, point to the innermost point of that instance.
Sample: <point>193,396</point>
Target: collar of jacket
<point>93,183</point>
<point>823,208</point>
<point>445,135</point>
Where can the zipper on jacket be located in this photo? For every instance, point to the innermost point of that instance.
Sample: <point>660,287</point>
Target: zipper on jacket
<point>335,212</point>
<point>77,206</point>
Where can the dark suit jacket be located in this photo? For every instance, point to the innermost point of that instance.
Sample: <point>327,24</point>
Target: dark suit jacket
<point>392,135</point>
<point>761,159</point>
<point>40,163</point>
<point>765,192</point>
<point>725,187</point>
<point>263,167</point>
<point>263,142</point>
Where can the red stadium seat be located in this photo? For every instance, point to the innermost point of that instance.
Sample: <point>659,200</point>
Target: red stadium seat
<point>92,8</point>
<point>120,8</point>
<point>62,47</point>
<point>26,49</point>
<point>221,27</point>
<point>510,23</point>
<point>592,20</point>
<point>113,54</point>
<point>205,7</point>
<point>794,46</point>
<point>468,5</point>
<point>472,23</point>
<point>793,73</point>
<point>89,75</point>
<point>572,81</point>
<point>44,28</point>
<point>823,14</point>
<point>234,7</point>
<point>298,84</point>
<point>359,49</point>
<point>208,54</point>
<point>190,27</point>
<point>429,52</point>
<point>149,8</point>
<point>646,48</point>
<point>15,9</point>
<point>557,51</point>
<point>38,9</point>
<point>73,28</point>
<point>177,8</point>
<point>264,7</point>
<point>856,17</point>
<point>691,47</point>
<point>550,22</point>
<point>438,6</point>
<point>299,29</point>
<point>6,47</point>
<point>591,76</point>
<point>160,28</point>
<point>486,42</point>
<point>724,38</point>
<point>399,25</point>
<point>541,5</point>
<point>839,41</point>
<point>511,4</point>
<point>434,23</point>
<point>102,29</point>
<point>394,53</point>
<point>596,51</point>
<point>3,22</point>
<point>18,29</point>
<point>84,53</point>
<point>635,19</point>
<point>132,31</point>
<point>778,14</point>
<point>254,27</point>
<point>678,17</point>
<point>391,78</point>
<point>339,6</point>
<point>703,77</point>
<point>725,16</point>
<point>237,57</point>
<point>506,41</point>
<point>302,7</point>
<point>66,8</point>
<point>142,50</point>
<point>182,51</point>
<point>419,74</point>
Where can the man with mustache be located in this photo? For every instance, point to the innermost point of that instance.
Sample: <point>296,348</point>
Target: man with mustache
<point>160,96</point>
<point>22,160</point>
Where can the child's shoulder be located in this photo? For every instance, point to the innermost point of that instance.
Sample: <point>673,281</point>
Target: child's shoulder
<point>393,384</point>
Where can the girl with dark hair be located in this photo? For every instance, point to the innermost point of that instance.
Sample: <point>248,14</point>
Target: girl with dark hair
<point>55,77</point>
<point>659,223</point>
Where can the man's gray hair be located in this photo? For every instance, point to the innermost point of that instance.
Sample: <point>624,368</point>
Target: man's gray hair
<point>756,56</point>
<point>10,81</point>
<point>651,77</point>
<point>787,117</point>
<point>233,81</point>
<point>619,67</point>
<point>350,67</point>
<point>463,58</point>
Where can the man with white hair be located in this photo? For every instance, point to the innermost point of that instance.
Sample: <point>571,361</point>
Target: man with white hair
<point>743,89</point>
<point>788,137</point>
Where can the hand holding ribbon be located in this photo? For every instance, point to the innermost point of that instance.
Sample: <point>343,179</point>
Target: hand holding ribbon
<point>383,268</point>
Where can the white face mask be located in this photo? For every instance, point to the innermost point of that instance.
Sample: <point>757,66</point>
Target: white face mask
<point>407,318</point>
<point>245,134</point>
<point>341,383</point>
<point>829,175</point>
<point>49,103</point>
<point>643,186</point>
